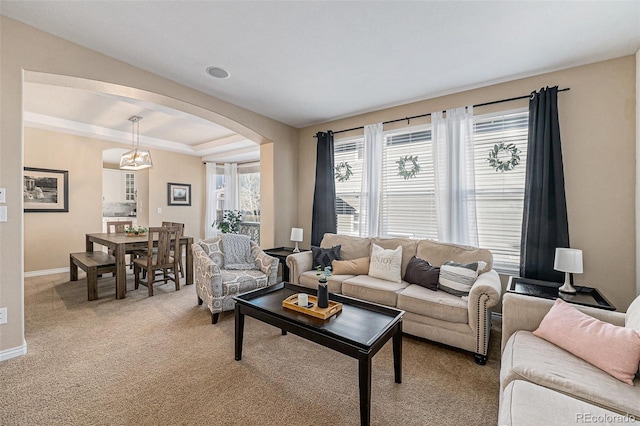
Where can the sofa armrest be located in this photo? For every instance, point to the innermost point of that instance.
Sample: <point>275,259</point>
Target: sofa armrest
<point>267,264</point>
<point>299,263</point>
<point>484,294</point>
<point>207,274</point>
<point>520,312</point>
<point>489,285</point>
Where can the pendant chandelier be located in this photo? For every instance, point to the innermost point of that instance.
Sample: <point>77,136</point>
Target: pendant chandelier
<point>137,158</point>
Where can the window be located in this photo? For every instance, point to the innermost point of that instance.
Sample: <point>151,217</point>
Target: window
<point>249,186</point>
<point>349,152</point>
<point>408,206</point>
<point>500,196</point>
<point>220,185</point>
<point>249,182</point>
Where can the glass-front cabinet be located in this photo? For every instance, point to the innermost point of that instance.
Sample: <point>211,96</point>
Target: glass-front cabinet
<point>129,186</point>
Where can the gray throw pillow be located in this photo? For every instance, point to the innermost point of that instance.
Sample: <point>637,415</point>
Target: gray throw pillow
<point>422,273</point>
<point>458,278</point>
<point>323,257</point>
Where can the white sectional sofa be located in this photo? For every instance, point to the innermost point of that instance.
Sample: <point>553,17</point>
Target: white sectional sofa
<point>542,384</point>
<point>433,315</point>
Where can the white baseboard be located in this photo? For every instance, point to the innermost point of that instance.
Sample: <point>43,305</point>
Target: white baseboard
<point>13,352</point>
<point>58,271</point>
<point>46,272</point>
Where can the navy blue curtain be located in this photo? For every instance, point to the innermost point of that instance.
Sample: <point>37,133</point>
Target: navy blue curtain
<point>544,224</point>
<point>324,217</point>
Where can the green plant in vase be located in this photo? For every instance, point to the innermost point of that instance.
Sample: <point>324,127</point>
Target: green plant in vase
<point>136,230</point>
<point>230,223</point>
<point>324,274</point>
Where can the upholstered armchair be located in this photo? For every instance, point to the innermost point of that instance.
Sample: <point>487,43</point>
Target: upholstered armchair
<point>216,286</point>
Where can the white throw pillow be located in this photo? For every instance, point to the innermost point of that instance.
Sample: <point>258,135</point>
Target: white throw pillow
<point>632,317</point>
<point>457,278</point>
<point>386,264</point>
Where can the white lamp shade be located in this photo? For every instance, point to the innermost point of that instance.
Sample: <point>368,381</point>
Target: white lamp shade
<point>568,260</point>
<point>296,234</point>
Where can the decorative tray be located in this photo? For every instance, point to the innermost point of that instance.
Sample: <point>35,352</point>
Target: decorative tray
<point>291,302</point>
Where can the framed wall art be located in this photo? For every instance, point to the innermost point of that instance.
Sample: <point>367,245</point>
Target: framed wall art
<point>45,190</point>
<point>179,194</point>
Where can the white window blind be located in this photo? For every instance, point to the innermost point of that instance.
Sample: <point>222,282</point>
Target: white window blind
<point>500,195</point>
<point>348,192</point>
<point>408,205</point>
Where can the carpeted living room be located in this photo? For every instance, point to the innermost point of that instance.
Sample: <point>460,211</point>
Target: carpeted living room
<point>311,212</point>
<point>159,360</point>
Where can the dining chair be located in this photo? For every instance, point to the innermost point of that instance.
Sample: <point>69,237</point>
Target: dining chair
<point>160,259</point>
<point>118,227</point>
<point>178,254</point>
<point>178,249</point>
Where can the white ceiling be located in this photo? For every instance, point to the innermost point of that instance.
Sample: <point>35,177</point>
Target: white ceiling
<point>306,62</point>
<point>105,116</point>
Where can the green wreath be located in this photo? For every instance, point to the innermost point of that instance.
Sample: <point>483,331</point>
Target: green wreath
<point>499,153</point>
<point>412,171</point>
<point>343,171</point>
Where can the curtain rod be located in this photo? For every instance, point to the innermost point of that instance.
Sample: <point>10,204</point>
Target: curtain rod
<point>427,115</point>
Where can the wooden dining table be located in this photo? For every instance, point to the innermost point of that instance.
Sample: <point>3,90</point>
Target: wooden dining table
<point>120,243</point>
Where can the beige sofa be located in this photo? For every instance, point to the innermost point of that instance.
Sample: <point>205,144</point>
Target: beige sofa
<point>433,315</point>
<point>542,384</point>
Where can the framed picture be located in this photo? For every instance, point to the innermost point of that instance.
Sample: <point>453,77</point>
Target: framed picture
<point>179,194</point>
<point>45,190</point>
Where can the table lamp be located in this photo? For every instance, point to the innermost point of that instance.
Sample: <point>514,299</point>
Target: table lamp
<point>569,261</point>
<point>296,235</point>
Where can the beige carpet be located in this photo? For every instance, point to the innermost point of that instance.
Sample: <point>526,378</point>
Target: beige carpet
<point>159,360</point>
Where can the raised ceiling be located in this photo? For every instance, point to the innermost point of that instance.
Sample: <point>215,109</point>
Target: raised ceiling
<point>308,62</point>
<point>105,116</point>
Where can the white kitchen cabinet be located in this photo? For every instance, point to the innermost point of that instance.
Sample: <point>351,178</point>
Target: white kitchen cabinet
<point>118,186</point>
<point>110,185</point>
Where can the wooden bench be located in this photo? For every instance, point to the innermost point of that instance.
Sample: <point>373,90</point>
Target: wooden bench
<point>94,263</point>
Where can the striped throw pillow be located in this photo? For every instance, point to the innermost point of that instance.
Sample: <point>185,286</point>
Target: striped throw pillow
<point>457,278</point>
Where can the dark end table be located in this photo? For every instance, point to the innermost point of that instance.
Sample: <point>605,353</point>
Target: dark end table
<point>585,296</point>
<point>281,254</point>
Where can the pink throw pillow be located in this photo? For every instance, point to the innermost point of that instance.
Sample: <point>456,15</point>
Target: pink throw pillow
<point>613,349</point>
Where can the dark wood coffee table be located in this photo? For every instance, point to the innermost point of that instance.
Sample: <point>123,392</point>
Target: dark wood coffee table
<point>360,330</point>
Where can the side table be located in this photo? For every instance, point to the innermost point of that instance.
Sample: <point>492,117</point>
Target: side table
<point>281,254</point>
<point>585,296</point>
